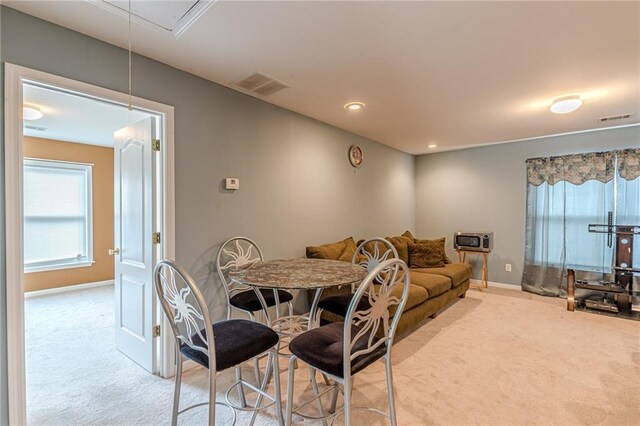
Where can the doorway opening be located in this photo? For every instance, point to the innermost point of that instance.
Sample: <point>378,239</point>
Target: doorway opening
<point>89,189</point>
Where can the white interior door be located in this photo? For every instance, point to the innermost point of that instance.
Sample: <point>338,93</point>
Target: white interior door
<point>135,254</point>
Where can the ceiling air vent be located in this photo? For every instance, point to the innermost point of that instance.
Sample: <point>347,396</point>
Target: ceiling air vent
<point>261,84</point>
<point>35,128</point>
<point>615,118</point>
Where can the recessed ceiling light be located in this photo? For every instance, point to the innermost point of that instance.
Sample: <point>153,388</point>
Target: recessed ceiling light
<point>566,104</point>
<point>31,112</point>
<point>433,145</point>
<point>354,106</point>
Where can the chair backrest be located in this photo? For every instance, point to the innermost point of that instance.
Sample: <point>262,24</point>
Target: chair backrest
<point>376,325</point>
<point>185,308</point>
<point>236,254</point>
<point>372,252</point>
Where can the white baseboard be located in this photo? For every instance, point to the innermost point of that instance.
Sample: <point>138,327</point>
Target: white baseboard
<point>67,288</point>
<point>497,285</point>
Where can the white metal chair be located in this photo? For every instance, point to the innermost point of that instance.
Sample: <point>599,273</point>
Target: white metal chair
<point>369,254</point>
<point>239,253</point>
<point>341,350</point>
<point>218,346</point>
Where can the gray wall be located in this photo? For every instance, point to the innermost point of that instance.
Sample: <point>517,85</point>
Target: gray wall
<point>484,189</point>
<point>4,419</point>
<point>297,187</point>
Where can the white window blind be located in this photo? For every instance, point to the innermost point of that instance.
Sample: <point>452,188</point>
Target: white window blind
<point>58,230</point>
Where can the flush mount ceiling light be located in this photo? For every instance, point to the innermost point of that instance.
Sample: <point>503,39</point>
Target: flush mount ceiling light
<point>566,104</point>
<point>31,112</point>
<point>433,145</point>
<point>354,106</point>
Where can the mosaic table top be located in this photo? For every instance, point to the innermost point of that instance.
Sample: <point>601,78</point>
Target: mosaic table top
<point>300,273</point>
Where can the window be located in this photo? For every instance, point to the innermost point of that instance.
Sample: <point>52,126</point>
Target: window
<point>58,230</point>
<point>561,221</point>
<point>565,195</point>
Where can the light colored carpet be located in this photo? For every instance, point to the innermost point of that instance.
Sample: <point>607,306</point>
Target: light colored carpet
<point>499,357</point>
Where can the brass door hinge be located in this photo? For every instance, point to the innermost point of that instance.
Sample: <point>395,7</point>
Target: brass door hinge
<point>156,331</point>
<point>155,239</point>
<point>155,144</point>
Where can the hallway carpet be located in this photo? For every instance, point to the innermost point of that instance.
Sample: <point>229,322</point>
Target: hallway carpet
<point>497,357</point>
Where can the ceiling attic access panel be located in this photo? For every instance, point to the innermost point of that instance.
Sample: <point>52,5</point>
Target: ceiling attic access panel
<point>173,17</point>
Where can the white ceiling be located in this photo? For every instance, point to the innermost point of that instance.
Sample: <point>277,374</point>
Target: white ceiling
<point>74,118</point>
<point>456,74</point>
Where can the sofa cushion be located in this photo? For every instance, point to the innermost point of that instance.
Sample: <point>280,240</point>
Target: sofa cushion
<point>440,242</point>
<point>409,235</point>
<point>417,295</point>
<point>401,244</point>
<point>456,272</point>
<point>434,284</point>
<point>426,255</point>
<point>340,250</point>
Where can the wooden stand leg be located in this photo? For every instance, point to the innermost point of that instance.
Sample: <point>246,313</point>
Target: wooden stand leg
<point>485,272</point>
<point>571,279</point>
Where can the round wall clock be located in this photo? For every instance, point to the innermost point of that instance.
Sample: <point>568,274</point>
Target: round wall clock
<point>355,155</point>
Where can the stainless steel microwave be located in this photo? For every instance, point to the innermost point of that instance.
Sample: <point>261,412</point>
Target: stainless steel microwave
<point>473,241</point>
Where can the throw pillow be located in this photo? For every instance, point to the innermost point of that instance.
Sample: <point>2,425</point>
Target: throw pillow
<point>408,235</point>
<point>401,245</point>
<point>427,255</point>
<point>340,250</point>
<point>440,241</point>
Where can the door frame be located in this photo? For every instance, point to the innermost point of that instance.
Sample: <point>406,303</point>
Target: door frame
<point>14,78</point>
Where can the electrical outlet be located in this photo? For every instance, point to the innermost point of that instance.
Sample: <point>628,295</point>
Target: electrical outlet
<point>507,267</point>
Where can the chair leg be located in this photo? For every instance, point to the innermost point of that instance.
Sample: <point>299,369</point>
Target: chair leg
<point>176,393</point>
<point>390,395</point>
<point>334,399</point>
<point>256,369</point>
<point>212,397</point>
<point>289,415</point>
<point>316,391</point>
<point>243,400</point>
<point>263,388</point>
<point>256,366</point>
<point>276,384</point>
<point>290,308</point>
<point>326,380</point>
<point>347,401</point>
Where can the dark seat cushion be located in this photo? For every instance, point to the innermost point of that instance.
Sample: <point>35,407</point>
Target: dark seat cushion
<point>339,304</point>
<point>248,300</point>
<point>322,348</point>
<point>237,341</point>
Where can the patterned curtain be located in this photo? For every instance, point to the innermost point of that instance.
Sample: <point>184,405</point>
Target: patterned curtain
<point>629,163</point>
<point>576,169</point>
<point>564,195</point>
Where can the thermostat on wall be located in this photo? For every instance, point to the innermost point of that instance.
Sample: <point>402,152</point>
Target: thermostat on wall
<point>232,183</point>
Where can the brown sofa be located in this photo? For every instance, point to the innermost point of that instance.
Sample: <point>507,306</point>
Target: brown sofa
<point>431,289</point>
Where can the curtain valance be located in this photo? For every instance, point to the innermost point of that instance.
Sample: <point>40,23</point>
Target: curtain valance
<point>580,168</point>
<point>629,163</point>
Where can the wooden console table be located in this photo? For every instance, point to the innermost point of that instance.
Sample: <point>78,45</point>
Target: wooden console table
<point>462,257</point>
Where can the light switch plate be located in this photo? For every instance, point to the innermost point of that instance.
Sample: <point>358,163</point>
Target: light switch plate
<point>232,183</point>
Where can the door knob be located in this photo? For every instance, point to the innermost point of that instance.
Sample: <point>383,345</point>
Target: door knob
<point>113,252</point>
